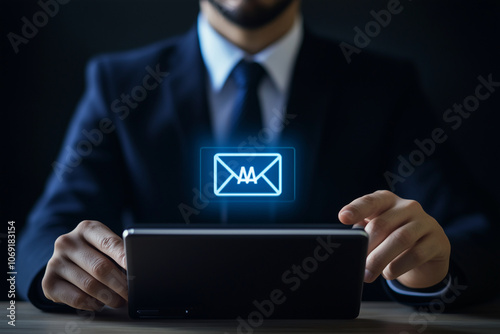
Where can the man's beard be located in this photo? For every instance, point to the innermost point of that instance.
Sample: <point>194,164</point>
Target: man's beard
<point>251,15</point>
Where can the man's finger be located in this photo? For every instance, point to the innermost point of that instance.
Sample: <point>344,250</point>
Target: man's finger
<point>396,243</point>
<point>101,267</point>
<point>361,224</point>
<point>66,293</point>
<point>105,240</point>
<point>424,250</point>
<point>380,227</point>
<point>88,284</point>
<point>368,206</point>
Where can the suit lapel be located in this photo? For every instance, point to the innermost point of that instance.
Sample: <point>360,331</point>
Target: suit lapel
<point>315,96</point>
<point>188,88</point>
<point>186,106</point>
<point>316,86</point>
<point>188,93</point>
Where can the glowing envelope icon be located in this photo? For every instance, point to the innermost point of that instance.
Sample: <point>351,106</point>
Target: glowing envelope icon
<point>247,174</point>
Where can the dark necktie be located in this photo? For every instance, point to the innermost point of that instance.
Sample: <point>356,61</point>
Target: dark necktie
<point>247,121</point>
<point>247,118</point>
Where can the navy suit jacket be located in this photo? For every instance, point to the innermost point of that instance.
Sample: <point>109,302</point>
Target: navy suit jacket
<point>131,153</point>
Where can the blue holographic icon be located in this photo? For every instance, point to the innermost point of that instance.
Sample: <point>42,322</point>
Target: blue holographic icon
<point>248,174</point>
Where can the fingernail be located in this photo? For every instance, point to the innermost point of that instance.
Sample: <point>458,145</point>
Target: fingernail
<point>369,277</point>
<point>347,214</point>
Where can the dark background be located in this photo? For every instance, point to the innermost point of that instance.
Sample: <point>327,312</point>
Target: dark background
<point>451,42</point>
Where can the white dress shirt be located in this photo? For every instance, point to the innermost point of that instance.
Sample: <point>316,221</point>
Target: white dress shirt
<point>221,56</point>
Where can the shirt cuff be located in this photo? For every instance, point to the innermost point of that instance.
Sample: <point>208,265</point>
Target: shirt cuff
<point>431,292</point>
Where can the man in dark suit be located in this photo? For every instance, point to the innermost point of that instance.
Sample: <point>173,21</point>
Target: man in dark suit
<point>132,148</point>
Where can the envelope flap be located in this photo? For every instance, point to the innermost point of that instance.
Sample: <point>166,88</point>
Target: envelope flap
<point>236,163</point>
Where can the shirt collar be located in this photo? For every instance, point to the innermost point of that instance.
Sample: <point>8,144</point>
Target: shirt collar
<point>220,55</point>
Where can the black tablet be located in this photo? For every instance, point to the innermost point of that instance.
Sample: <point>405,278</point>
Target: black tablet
<point>245,274</point>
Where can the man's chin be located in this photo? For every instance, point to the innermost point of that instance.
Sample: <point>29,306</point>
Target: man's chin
<point>250,14</point>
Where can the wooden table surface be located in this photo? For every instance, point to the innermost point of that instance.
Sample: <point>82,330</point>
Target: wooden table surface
<point>381,317</point>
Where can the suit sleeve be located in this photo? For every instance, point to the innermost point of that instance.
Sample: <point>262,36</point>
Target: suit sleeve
<point>428,170</point>
<point>86,183</point>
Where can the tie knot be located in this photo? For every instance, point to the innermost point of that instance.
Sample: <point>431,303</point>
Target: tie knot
<point>247,74</point>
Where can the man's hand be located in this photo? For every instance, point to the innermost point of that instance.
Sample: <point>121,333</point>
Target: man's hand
<point>405,242</point>
<point>82,272</point>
